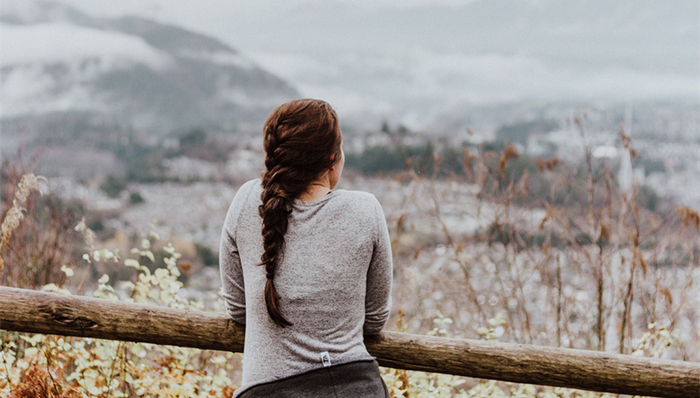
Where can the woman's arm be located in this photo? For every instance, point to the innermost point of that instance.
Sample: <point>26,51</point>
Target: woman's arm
<point>233,287</point>
<point>379,277</point>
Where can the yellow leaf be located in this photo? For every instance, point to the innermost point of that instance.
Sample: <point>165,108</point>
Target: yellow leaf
<point>130,262</point>
<point>68,271</point>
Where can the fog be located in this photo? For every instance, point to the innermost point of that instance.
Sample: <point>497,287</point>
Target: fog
<point>414,61</point>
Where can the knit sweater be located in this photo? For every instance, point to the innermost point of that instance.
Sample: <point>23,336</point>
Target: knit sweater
<point>334,282</point>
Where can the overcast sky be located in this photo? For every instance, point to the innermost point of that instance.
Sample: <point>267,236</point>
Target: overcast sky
<point>412,59</point>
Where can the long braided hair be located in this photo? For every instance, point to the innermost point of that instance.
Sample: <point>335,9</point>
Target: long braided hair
<point>299,138</point>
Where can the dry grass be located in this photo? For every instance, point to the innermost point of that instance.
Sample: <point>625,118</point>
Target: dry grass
<point>552,255</point>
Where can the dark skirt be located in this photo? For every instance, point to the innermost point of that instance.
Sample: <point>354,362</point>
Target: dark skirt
<point>353,379</point>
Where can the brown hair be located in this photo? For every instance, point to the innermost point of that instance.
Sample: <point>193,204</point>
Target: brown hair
<point>299,138</point>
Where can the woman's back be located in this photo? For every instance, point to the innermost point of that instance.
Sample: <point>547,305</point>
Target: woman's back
<point>334,282</point>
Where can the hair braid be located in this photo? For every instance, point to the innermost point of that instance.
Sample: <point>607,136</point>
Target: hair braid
<point>275,214</point>
<point>299,138</point>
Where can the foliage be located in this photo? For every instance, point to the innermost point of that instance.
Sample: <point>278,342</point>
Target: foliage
<point>37,230</point>
<point>579,264</point>
<point>113,186</point>
<point>193,138</point>
<point>135,198</point>
<point>53,366</point>
<point>422,159</point>
<point>197,144</point>
<point>405,384</point>
<point>144,163</point>
<point>488,245</point>
<point>375,160</point>
<point>209,258</point>
<point>520,132</point>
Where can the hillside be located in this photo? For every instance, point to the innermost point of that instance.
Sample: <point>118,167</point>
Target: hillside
<point>65,72</point>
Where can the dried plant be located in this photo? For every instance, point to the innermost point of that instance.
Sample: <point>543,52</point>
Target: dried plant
<point>15,214</point>
<point>569,257</point>
<point>534,251</point>
<point>36,233</point>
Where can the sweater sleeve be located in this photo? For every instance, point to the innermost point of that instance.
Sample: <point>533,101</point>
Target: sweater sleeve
<point>232,286</point>
<point>379,278</point>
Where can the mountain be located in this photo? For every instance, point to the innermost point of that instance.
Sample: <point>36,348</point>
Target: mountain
<point>64,71</point>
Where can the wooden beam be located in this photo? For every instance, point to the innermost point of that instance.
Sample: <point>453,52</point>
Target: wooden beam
<point>40,312</point>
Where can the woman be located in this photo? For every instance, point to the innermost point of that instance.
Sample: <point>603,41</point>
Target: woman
<point>306,268</point>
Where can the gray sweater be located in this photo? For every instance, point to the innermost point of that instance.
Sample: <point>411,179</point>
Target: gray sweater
<point>334,282</point>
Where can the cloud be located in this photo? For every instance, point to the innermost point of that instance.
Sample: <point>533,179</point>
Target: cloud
<point>294,66</point>
<point>347,102</point>
<point>29,90</point>
<point>53,43</point>
<point>46,66</point>
<point>219,57</point>
<point>415,56</point>
<point>443,73</point>
<point>154,8</point>
<point>396,4</point>
<point>406,83</point>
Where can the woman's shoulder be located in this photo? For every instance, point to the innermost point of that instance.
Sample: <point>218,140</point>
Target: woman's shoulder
<point>252,185</point>
<point>361,209</point>
<point>247,195</point>
<point>359,200</point>
<point>359,196</point>
<point>252,188</point>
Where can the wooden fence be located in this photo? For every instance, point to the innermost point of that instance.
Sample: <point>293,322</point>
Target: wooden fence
<point>39,312</point>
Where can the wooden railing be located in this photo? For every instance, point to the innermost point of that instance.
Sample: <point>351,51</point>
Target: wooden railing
<point>39,312</point>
